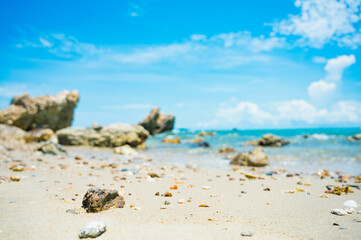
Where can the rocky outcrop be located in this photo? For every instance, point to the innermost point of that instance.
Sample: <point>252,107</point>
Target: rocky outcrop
<point>255,158</point>
<point>356,137</point>
<point>54,112</point>
<point>268,140</point>
<point>11,133</point>
<point>114,135</point>
<point>96,200</point>
<point>157,122</point>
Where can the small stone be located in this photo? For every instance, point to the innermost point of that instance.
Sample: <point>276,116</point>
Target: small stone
<point>166,203</point>
<point>181,201</point>
<point>246,234</point>
<point>14,178</point>
<point>357,220</point>
<point>206,187</point>
<point>267,189</point>
<point>336,224</point>
<point>339,212</point>
<point>93,230</point>
<point>350,204</point>
<point>72,211</point>
<point>203,205</point>
<point>168,194</point>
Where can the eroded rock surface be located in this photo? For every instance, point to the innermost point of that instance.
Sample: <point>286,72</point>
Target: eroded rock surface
<point>157,122</point>
<point>50,147</point>
<point>268,140</point>
<point>96,200</point>
<point>11,133</point>
<point>255,158</point>
<point>356,137</point>
<point>54,112</point>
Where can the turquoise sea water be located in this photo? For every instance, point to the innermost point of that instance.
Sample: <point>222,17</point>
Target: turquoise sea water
<point>325,148</point>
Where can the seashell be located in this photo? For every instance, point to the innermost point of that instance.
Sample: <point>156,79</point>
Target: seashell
<point>350,204</point>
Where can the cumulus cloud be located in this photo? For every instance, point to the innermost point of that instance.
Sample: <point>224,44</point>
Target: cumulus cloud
<point>322,21</point>
<point>320,91</point>
<point>293,112</point>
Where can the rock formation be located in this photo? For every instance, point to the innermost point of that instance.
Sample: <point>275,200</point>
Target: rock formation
<point>54,112</point>
<point>96,200</point>
<point>114,135</point>
<point>254,158</point>
<point>157,122</point>
<point>268,140</point>
<point>354,138</point>
<point>11,133</point>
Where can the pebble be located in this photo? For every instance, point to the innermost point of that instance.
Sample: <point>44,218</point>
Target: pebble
<point>338,211</point>
<point>359,211</point>
<point>246,234</point>
<point>357,220</point>
<point>336,224</point>
<point>350,204</point>
<point>93,230</point>
<point>72,211</point>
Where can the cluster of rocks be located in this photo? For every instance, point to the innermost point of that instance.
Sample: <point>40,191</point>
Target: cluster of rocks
<point>158,122</point>
<point>356,137</point>
<point>254,158</point>
<point>268,140</point>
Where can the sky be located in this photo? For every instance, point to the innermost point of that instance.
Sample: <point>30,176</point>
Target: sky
<point>213,64</point>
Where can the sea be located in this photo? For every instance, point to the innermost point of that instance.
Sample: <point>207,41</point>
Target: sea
<point>325,148</point>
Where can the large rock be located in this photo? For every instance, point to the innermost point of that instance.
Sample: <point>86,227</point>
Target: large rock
<point>125,150</point>
<point>356,137</point>
<point>157,122</point>
<point>114,135</point>
<point>254,158</point>
<point>54,112</point>
<point>50,147</point>
<point>268,140</point>
<point>96,200</point>
<point>42,135</point>
<point>11,133</point>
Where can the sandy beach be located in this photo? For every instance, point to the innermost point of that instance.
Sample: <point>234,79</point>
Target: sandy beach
<point>36,206</point>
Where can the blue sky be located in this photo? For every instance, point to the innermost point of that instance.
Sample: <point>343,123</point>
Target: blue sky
<point>214,64</point>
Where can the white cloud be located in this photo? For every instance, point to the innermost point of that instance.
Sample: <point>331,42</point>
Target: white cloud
<point>45,42</point>
<point>288,113</point>
<point>322,21</point>
<point>320,89</point>
<point>319,59</point>
<point>336,66</point>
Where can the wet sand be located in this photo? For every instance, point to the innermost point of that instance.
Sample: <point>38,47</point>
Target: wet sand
<point>35,207</point>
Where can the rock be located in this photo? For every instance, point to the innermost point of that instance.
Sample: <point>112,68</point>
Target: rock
<point>339,212</point>
<point>72,211</point>
<point>350,204</point>
<point>96,200</point>
<point>54,112</point>
<point>93,230</point>
<point>203,134</point>
<point>268,140</point>
<point>354,138</point>
<point>254,158</point>
<point>226,150</point>
<point>11,133</point>
<point>246,234</point>
<point>125,150</point>
<point>49,147</point>
<point>200,143</point>
<point>157,122</point>
<point>306,136</point>
<point>171,139</point>
<point>114,135</point>
<point>42,135</point>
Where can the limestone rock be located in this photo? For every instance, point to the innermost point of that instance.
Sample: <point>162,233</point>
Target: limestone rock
<point>54,112</point>
<point>254,158</point>
<point>268,140</point>
<point>157,122</point>
<point>50,147</point>
<point>171,139</point>
<point>203,134</point>
<point>356,137</point>
<point>96,200</point>
<point>199,142</point>
<point>113,135</point>
<point>42,135</point>
<point>226,150</point>
<point>93,229</point>
<point>125,150</point>
<point>11,133</point>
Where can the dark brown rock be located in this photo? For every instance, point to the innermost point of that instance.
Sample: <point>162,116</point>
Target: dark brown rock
<point>96,200</point>
<point>157,122</point>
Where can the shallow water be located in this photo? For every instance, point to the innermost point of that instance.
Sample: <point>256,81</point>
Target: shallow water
<point>325,148</point>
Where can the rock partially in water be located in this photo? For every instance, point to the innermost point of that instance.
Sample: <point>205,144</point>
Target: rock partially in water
<point>11,133</point>
<point>54,112</point>
<point>268,140</point>
<point>125,150</point>
<point>42,135</point>
<point>255,158</point>
<point>203,134</point>
<point>199,142</point>
<point>96,200</point>
<point>113,135</point>
<point>356,137</point>
<point>339,212</point>
<point>93,229</point>
<point>226,150</point>
<point>171,139</point>
<point>157,122</point>
<point>50,147</point>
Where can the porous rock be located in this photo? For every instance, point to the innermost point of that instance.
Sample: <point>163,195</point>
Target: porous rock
<point>255,158</point>
<point>93,229</point>
<point>96,200</point>
<point>125,150</point>
<point>158,122</point>
<point>268,140</point>
<point>54,112</point>
<point>11,133</point>
<point>50,147</point>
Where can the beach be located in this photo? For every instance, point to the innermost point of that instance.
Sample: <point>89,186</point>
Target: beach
<point>209,202</point>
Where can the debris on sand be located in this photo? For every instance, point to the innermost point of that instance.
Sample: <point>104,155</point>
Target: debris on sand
<point>93,229</point>
<point>96,200</point>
